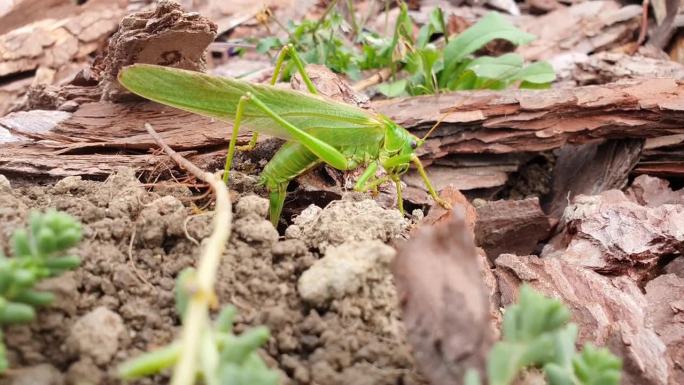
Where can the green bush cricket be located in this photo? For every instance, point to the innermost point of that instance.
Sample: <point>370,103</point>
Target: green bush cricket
<point>317,129</point>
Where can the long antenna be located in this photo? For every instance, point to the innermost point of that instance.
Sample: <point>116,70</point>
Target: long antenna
<point>422,140</point>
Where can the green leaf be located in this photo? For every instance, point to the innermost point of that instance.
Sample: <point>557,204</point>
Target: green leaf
<point>497,68</point>
<point>558,375</point>
<point>14,313</point>
<point>393,89</point>
<point>183,283</point>
<point>3,356</point>
<point>150,362</point>
<point>490,27</point>
<point>534,86</point>
<point>435,24</point>
<point>540,72</point>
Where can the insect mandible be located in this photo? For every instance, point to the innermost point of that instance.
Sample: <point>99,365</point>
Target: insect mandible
<point>316,129</point>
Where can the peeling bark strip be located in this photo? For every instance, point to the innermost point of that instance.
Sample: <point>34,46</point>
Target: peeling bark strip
<point>529,121</point>
<point>444,303</point>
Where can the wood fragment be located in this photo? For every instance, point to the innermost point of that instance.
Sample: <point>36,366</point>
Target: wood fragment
<point>611,234</point>
<point>604,24</point>
<point>608,67</point>
<point>665,311</point>
<point>589,169</point>
<point>512,227</point>
<point>444,301</point>
<point>610,312</point>
<point>53,43</point>
<point>527,121</point>
<point>653,192</point>
<point>164,36</point>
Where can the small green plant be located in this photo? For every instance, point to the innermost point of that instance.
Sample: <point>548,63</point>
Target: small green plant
<point>454,67</point>
<point>419,66</point>
<point>536,333</point>
<point>37,253</point>
<point>224,358</point>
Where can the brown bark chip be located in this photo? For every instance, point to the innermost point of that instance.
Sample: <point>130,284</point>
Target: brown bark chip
<point>652,192</point>
<point>665,296</point>
<point>613,235</point>
<point>165,36</point>
<point>444,303</point>
<point>609,312</point>
<point>508,226</point>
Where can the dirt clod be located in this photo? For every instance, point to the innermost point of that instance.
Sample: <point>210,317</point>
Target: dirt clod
<point>252,205</point>
<point>343,270</point>
<point>43,374</point>
<point>96,335</point>
<point>346,221</point>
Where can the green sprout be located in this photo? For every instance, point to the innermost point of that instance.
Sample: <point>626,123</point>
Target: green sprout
<point>536,333</point>
<point>419,66</point>
<point>37,253</point>
<point>224,358</point>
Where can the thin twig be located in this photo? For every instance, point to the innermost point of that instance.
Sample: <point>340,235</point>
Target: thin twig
<point>197,314</point>
<point>377,78</point>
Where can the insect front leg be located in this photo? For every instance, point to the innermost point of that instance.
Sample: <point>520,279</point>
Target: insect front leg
<point>400,198</point>
<point>428,184</point>
<point>405,159</point>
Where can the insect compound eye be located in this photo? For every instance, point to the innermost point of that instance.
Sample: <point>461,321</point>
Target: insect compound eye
<point>414,144</point>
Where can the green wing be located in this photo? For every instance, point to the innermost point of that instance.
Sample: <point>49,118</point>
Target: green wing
<point>217,97</point>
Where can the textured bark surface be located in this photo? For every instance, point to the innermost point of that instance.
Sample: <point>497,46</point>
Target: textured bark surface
<point>609,311</point>
<point>53,43</point>
<point>510,226</point>
<point>444,301</point>
<point>518,120</point>
<point>612,234</point>
<point>665,311</point>
<point>585,27</point>
<point>165,36</point>
<point>608,67</point>
<point>589,169</point>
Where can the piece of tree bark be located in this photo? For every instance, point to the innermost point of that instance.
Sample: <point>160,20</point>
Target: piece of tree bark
<point>518,121</point>
<point>589,169</point>
<point>510,226</point>
<point>443,299</point>
<point>662,156</point>
<point>610,312</point>
<point>507,122</point>
<point>653,192</point>
<point>665,311</point>
<point>608,67</point>
<point>585,27</point>
<point>53,43</point>
<point>165,36</point>
<point>611,234</point>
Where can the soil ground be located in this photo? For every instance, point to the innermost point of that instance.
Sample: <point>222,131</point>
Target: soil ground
<point>137,240</point>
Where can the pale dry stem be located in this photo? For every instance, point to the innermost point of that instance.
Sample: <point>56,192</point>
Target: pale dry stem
<point>197,313</point>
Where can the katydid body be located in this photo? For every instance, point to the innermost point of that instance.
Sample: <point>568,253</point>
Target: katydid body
<point>317,129</point>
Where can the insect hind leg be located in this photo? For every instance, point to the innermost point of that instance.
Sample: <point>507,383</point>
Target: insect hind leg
<point>286,51</point>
